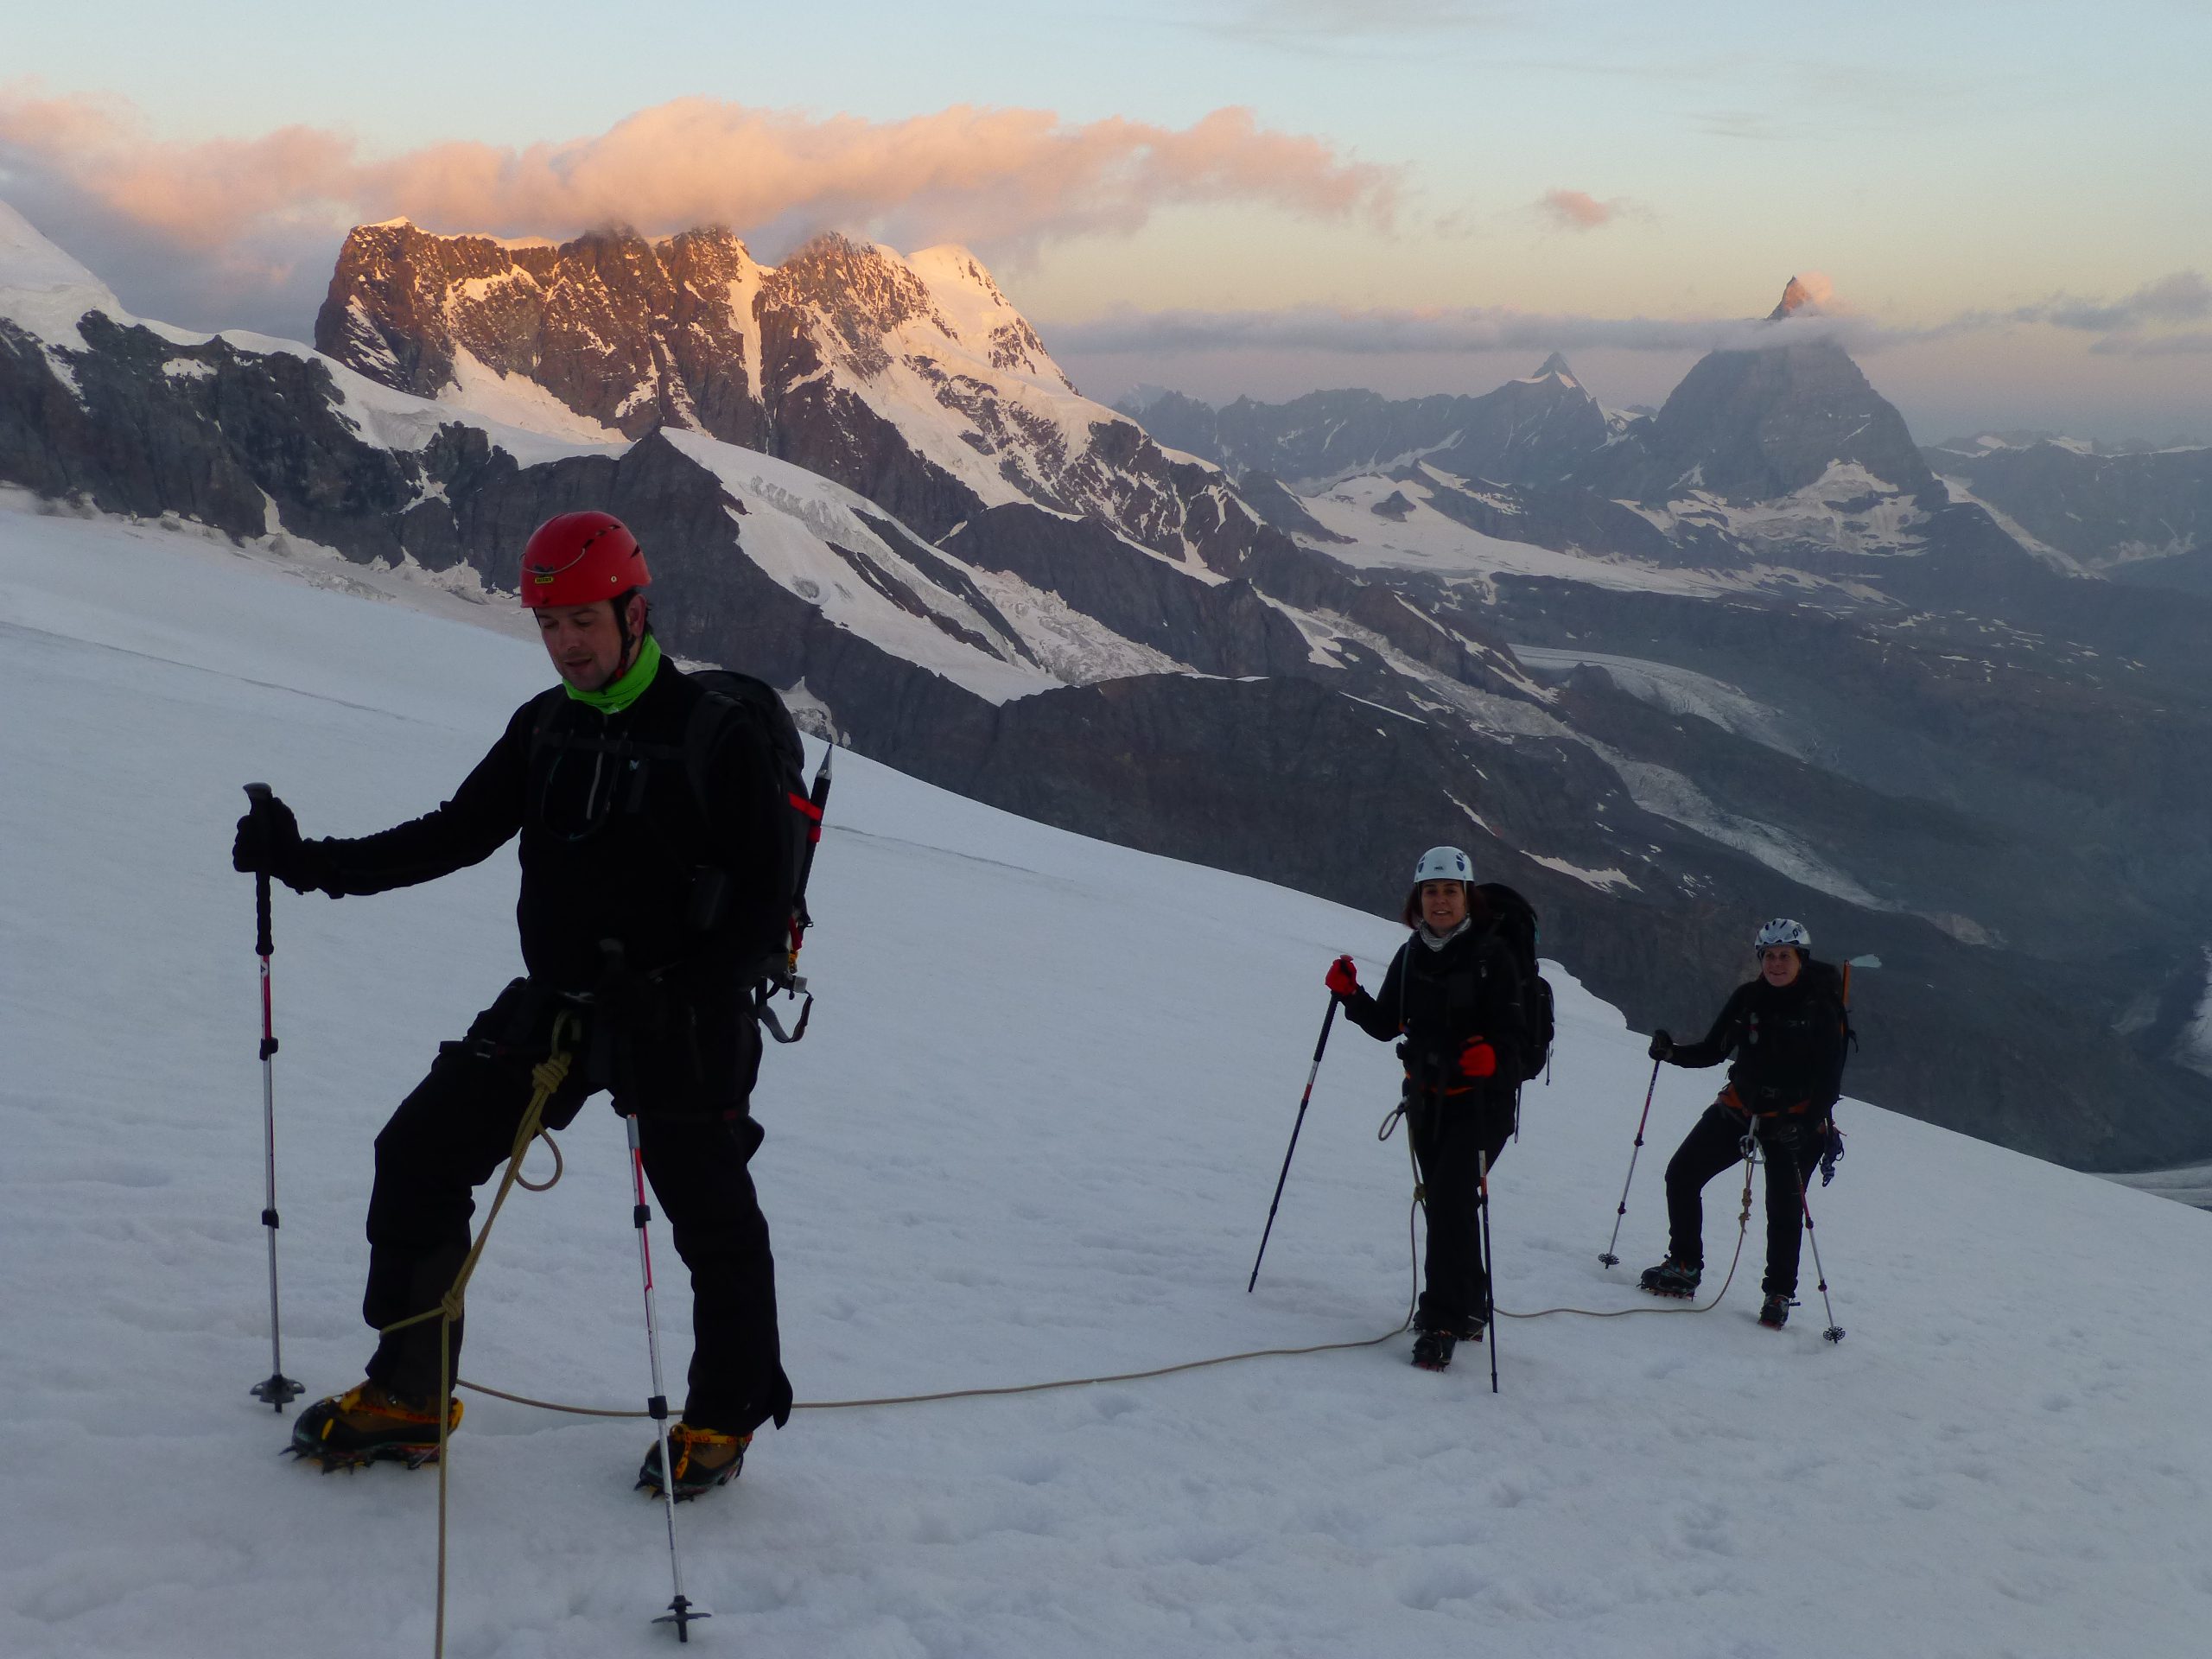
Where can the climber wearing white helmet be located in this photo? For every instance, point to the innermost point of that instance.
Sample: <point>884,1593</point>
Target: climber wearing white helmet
<point>1453,994</point>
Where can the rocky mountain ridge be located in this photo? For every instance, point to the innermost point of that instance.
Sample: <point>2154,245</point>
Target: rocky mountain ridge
<point>1536,430</point>
<point>2143,515</point>
<point>912,381</point>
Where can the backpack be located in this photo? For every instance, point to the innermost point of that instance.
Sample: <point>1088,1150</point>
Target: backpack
<point>732,696</point>
<point>1513,919</point>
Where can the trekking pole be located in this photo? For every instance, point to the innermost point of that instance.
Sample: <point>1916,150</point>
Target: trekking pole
<point>1328,1020</point>
<point>1621,1214</point>
<point>680,1611</point>
<point>1834,1332</point>
<point>1489,1261</point>
<point>279,1390</point>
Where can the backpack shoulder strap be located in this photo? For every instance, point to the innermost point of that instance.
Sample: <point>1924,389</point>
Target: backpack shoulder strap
<point>702,734</point>
<point>545,712</point>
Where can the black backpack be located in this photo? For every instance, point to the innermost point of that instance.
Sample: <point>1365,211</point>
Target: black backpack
<point>732,696</point>
<point>1513,919</point>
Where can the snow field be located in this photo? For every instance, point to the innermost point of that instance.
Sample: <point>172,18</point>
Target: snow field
<point>1031,1134</point>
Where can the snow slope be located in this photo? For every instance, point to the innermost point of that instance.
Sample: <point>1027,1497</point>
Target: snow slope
<point>1031,1134</point>
<point>1425,539</point>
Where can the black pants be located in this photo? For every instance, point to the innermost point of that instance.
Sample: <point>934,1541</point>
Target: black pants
<point>1451,1135</point>
<point>454,1131</point>
<point>1715,1143</point>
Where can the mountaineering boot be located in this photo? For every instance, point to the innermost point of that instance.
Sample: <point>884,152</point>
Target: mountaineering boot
<point>364,1424</point>
<point>1672,1278</point>
<point>1776,1313</point>
<point>704,1458</point>
<point>1433,1349</point>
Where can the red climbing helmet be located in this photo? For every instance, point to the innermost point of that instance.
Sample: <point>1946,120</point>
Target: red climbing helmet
<point>577,558</point>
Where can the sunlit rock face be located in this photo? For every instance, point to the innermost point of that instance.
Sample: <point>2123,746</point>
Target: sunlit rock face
<point>911,379</point>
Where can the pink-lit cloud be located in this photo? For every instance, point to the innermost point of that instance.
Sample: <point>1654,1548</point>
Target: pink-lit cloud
<point>1576,210</point>
<point>997,178</point>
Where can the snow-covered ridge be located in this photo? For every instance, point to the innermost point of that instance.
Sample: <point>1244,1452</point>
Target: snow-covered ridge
<point>42,290</point>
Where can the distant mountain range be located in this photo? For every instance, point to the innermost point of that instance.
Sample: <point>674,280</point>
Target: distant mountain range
<point>2140,515</point>
<point>1747,655</point>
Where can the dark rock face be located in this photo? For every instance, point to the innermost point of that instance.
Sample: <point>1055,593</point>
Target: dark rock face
<point>199,430</point>
<point>1264,494</point>
<point>1751,426</point>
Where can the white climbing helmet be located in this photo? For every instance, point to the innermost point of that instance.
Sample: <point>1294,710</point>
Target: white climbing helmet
<point>1783,931</point>
<point>1443,864</point>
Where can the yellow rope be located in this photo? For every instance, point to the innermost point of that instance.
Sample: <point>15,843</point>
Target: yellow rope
<point>547,1075</point>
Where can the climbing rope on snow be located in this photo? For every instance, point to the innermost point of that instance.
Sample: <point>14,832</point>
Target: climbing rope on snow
<point>1396,1330</point>
<point>1389,1123</point>
<point>1743,1231</point>
<point>547,1075</point>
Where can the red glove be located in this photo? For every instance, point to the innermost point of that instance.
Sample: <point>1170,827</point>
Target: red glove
<point>1479,1059</point>
<point>1344,977</point>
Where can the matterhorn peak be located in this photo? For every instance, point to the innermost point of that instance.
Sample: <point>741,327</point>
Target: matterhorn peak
<point>1555,365</point>
<point>1798,298</point>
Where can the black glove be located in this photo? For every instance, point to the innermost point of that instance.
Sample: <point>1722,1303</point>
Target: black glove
<point>1831,1150</point>
<point>268,841</point>
<point>1662,1046</point>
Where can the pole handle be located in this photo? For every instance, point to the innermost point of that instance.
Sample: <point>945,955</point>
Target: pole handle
<point>263,944</point>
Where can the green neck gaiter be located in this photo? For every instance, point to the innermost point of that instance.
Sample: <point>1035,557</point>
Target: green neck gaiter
<point>614,699</point>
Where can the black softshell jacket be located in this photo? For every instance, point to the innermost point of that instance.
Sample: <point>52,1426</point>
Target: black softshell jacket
<point>1438,999</point>
<point>614,840</point>
<point>1788,1043</point>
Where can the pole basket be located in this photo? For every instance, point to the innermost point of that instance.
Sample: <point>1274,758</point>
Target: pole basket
<point>682,1614</point>
<point>278,1391</point>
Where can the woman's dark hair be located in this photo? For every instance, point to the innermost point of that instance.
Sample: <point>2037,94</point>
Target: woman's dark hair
<point>1477,906</point>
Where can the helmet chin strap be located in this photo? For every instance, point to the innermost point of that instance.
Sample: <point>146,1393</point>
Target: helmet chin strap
<point>632,643</point>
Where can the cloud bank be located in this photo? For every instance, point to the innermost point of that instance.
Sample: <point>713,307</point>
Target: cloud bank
<point>1001,180</point>
<point>1461,330</point>
<point>2128,326</point>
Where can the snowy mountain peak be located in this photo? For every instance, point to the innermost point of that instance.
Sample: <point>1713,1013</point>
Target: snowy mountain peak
<point>983,318</point>
<point>42,290</point>
<point>1555,368</point>
<point>1797,299</point>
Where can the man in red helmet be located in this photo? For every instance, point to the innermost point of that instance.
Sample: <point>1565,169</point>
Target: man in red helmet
<point>652,887</point>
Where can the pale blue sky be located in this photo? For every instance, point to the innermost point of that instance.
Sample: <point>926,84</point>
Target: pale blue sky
<point>1934,160</point>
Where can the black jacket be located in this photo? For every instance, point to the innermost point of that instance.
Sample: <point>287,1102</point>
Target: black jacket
<point>1438,999</point>
<point>614,841</point>
<point>1788,1043</point>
